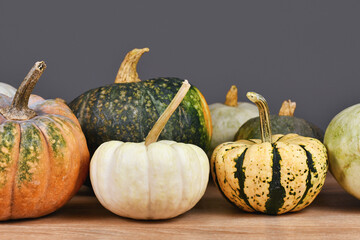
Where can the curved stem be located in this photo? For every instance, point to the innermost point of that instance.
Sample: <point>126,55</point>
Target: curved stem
<point>232,97</point>
<point>263,114</point>
<point>287,108</point>
<point>127,72</point>
<point>165,116</point>
<point>19,109</point>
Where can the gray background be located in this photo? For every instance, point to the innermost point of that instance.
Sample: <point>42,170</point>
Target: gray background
<point>307,51</point>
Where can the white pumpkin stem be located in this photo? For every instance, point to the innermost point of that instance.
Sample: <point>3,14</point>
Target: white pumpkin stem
<point>232,97</point>
<point>287,108</point>
<point>19,109</point>
<point>165,116</point>
<point>263,114</point>
<point>127,72</point>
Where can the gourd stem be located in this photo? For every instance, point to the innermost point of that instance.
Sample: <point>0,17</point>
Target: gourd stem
<point>263,114</point>
<point>127,72</point>
<point>287,108</point>
<point>165,116</point>
<point>19,109</point>
<point>232,97</point>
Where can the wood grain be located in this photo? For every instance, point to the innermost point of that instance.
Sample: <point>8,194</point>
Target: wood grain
<point>333,215</point>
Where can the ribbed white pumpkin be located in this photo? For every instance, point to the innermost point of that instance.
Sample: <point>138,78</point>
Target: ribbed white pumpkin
<point>160,181</point>
<point>229,117</point>
<point>7,89</point>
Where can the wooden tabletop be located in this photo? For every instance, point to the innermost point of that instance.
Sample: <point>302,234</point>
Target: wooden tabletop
<point>333,215</point>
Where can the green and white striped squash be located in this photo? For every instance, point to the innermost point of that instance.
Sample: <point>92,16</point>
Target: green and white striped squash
<point>274,175</point>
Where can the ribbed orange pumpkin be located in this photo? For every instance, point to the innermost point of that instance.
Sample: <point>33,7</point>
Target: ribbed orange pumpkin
<point>44,158</point>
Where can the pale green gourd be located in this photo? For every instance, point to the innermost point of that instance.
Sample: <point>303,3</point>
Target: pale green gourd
<point>227,118</point>
<point>342,141</point>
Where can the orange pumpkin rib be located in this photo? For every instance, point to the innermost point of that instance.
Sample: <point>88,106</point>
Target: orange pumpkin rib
<point>64,164</point>
<point>68,125</point>
<point>8,175</point>
<point>82,149</point>
<point>54,107</point>
<point>32,166</point>
<point>41,205</point>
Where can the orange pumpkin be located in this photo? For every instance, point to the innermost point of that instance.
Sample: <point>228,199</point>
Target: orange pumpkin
<point>44,158</point>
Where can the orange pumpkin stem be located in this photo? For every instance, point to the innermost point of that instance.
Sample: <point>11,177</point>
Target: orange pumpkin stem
<point>127,72</point>
<point>287,108</point>
<point>165,116</point>
<point>232,97</point>
<point>19,109</point>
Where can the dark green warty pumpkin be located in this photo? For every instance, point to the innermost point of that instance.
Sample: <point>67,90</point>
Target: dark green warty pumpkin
<point>284,123</point>
<point>128,109</point>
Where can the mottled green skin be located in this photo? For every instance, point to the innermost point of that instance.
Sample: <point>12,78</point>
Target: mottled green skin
<point>7,142</point>
<point>54,135</point>
<point>279,125</point>
<point>342,141</point>
<point>30,148</point>
<point>57,141</point>
<point>128,111</point>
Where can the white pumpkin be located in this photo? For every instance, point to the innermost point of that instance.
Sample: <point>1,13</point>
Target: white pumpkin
<point>159,181</point>
<point>7,89</point>
<point>229,117</point>
<point>150,180</point>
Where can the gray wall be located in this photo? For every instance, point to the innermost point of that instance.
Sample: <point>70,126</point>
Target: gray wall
<point>308,51</point>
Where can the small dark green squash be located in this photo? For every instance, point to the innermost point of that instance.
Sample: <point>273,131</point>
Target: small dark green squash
<point>284,123</point>
<point>127,109</point>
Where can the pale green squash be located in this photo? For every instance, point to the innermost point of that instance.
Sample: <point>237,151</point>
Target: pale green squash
<point>227,118</point>
<point>342,139</point>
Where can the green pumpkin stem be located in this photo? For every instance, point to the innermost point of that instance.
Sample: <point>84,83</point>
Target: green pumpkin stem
<point>263,114</point>
<point>127,72</point>
<point>19,109</point>
<point>165,116</point>
<point>232,97</point>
